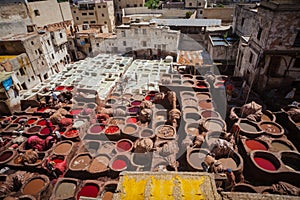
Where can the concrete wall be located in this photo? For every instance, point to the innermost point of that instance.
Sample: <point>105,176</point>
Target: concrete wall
<point>244,20</point>
<point>13,19</point>
<point>49,12</point>
<point>166,13</point>
<point>195,3</point>
<point>225,14</point>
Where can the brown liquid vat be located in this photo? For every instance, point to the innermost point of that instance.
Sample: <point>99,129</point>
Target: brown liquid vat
<point>193,129</point>
<point>99,164</point>
<point>190,109</point>
<point>36,186</point>
<point>11,128</point>
<point>187,94</point>
<point>243,187</point>
<point>6,156</point>
<point>271,128</point>
<point>65,188</point>
<point>209,113</point>
<point>130,131</point>
<point>63,148</point>
<point>195,156</point>
<point>80,162</point>
<point>206,104</point>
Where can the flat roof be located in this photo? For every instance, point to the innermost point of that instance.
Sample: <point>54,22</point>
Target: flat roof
<point>7,57</point>
<point>188,22</point>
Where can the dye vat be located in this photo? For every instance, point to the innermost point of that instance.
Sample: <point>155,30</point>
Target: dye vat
<point>11,128</point>
<point>188,83</point>
<point>112,130</point>
<point>196,157</point>
<point>145,133</point>
<point>96,128</point>
<point>99,164</point>
<point>131,120</point>
<point>6,156</point>
<point>47,130</point>
<point>59,88</point>
<point>190,109</point>
<point>186,95</point>
<point>43,122</point>
<point>34,186</point>
<point>202,96</point>
<point>136,103</point>
<point>190,101</point>
<point>291,160</point>
<point>130,129</point>
<point>206,104</point>
<point>88,190</point>
<point>65,189</point>
<point>160,115</point>
<point>63,148</point>
<point>214,124</point>
<point>209,113</point>
<point>228,163</point>
<point>280,145</point>
<point>201,85</point>
<point>165,132</point>
<point>31,120</point>
<point>71,133</point>
<point>120,163</point>
<point>193,129</point>
<point>107,195</point>
<point>42,109</point>
<point>265,117</point>
<point>243,187</point>
<point>20,119</point>
<point>80,162</point>
<point>75,112</point>
<point>192,117</point>
<point>265,160</point>
<point>133,110</point>
<point>249,128</point>
<point>124,145</point>
<point>271,128</point>
<point>256,145</point>
<point>33,130</point>
<point>119,121</point>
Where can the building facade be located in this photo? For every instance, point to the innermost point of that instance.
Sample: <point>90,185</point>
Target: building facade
<point>121,4</point>
<point>144,38</point>
<point>268,53</point>
<point>93,12</point>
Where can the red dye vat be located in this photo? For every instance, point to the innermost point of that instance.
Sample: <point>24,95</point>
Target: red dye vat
<point>42,109</point>
<point>219,85</point>
<point>265,164</point>
<point>149,97</point>
<point>56,160</point>
<point>133,109</point>
<point>88,191</point>
<point>6,156</point>
<point>46,130</point>
<point>111,130</point>
<point>43,122</point>
<point>71,133</point>
<point>255,145</point>
<point>75,111</point>
<point>201,85</point>
<point>18,119</point>
<point>131,120</point>
<point>136,103</point>
<point>96,129</point>
<point>123,146</point>
<point>60,88</point>
<point>70,88</point>
<point>119,164</point>
<point>31,121</point>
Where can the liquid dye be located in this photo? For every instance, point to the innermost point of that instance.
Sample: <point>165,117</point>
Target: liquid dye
<point>265,164</point>
<point>255,145</point>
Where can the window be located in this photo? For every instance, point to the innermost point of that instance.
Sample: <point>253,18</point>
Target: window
<point>32,43</point>
<point>74,11</point>
<point>144,43</point>
<point>93,22</point>
<point>105,22</point>
<point>85,22</point>
<point>36,52</point>
<point>30,29</point>
<point>104,6</point>
<point>48,41</point>
<point>243,21</point>
<point>102,15</point>
<point>136,31</point>
<point>97,45</point>
<point>274,65</point>
<point>99,6</point>
<point>127,5</point>
<point>250,57</point>
<point>199,4</point>
<point>84,14</point>
<point>141,5</point>
<point>297,40</point>
<point>52,55</point>
<point>46,76</point>
<point>297,63</point>
<point>259,33</point>
<point>144,32</point>
<point>60,35</point>
<point>77,18</point>
<point>124,43</point>
<point>91,13</point>
<point>135,5</point>
<point>123,34</point>
<point>22,72</point>
<point>32,77</point>
<point>191,4</point>
<point>36,12</point>
<point>120,7</point>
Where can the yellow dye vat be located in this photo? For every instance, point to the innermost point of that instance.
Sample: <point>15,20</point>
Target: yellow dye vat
<point>133,189</point>
<point>190,188</point>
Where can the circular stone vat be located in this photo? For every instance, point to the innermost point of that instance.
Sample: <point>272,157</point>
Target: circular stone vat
<point>131,120</point>
<point>43,122</point>
<point>193,129</point>
<point>119,163</point>
<point>96,128</point>
<point>130,129</point>
<point>265,161</point>
<point>59,88</point>
<point>65,189</point>
<point>160,115</point>
<point>188,83</point>
<point>75,111</point>
<point>31,120</point>
<point>202,96</point>
<point>165,132</point>
<point>80,162</point>
<point>214,124</point>
<point>291,160</point>
<point>99,164</point>
<point>195,158</point>
<point>6,156</point>
<point>280,145</point>
<point>249,128</point>
<point>271,128</point>
<point>133,110</point>
<point>192,117</point>
<point>20,119</point>
<point>34,186</point>
<point>92,146</point>
<point>34,129</point>
<point>111,101</point>
<point>253,144</point>
<point>190,109</point>
<point>63,148</point>
<point>147,133</point>
<point>242,187</point>
<point>202,85</point>
<point>206,104</point>
<point>110,130</point>
<point>209,113</point>
<point>190,102</point>
<point>124,145</point>
<point>47,130</point>
<point>186,95</point>
<point>71,133</point>
<point>136,103</point>
<point>187,76</point>
<point>88,190</point>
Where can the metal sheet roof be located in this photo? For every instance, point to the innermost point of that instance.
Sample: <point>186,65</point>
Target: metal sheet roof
<point>188,22</point>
